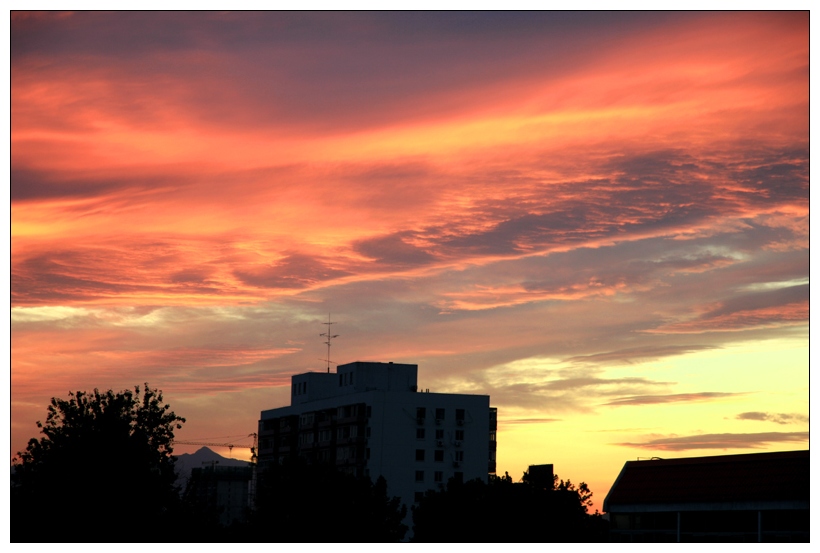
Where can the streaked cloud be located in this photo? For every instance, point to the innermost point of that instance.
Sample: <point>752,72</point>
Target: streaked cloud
<point>759,440</point>
<point>671,398</point>
<point>779,418</point>
<point>539,420</point>
<point>631,355</point>
<point>568,211</point>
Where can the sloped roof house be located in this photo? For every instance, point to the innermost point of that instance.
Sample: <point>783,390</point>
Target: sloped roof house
<point>750,497</point>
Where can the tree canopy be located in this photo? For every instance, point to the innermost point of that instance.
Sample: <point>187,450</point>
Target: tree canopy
<point>503,511</point>
<point>102,471</point>
<point>297,502</point>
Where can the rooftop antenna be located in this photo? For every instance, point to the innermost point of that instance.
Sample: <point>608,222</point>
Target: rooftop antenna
<point>329,337</point>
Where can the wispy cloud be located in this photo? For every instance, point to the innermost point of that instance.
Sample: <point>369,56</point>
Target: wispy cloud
<point>788,305</point>
<point>562,232</point>
<point>632,355</point>
<point>757,440</point>
<point>532,420</point>
<point>672,398</point>
<point>779,418</point>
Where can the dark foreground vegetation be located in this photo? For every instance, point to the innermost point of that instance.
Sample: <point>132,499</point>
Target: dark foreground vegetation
<point>300,503</point>
<point>103,471</point>
<point>503,511</point>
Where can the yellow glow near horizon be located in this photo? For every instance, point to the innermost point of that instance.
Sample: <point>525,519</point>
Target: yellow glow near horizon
<point>584,446</point>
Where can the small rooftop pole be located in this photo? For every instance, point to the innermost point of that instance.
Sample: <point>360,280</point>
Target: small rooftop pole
<point>329,337</point>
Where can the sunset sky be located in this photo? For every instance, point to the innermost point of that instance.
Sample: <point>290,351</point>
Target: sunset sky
<point>598,219</point>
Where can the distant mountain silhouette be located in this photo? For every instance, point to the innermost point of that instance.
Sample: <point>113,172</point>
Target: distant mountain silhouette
<point>188,461</point>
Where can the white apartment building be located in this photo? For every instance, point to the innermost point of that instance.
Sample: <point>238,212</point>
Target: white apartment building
<point>370,419</point>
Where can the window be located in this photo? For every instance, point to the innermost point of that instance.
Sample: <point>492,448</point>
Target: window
<point>438,476</point>
<point>439,434</point>
<point>341,377</point>
<point>439,455</point>
<point>459,456</point>
<point>440,413</point>
<point>419,476</point>
<point>351,379</point>
<point>459,414</point>
<point>419,433</point>
<point>460,435</point>
<point>421,412</point>
<point>419,455</point>
<point>492,436</point>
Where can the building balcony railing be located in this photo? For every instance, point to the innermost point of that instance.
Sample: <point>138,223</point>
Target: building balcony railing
<point>361,417</point>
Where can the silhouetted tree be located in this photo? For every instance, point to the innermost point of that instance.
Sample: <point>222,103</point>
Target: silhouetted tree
<point>297,502</point>
<point>102,471</point>
<point>582,492</point>
<point>502,511</point>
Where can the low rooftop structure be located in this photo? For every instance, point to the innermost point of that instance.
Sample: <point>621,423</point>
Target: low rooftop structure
<point>751,497</point>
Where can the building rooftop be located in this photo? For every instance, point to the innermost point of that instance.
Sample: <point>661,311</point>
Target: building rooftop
<point>775,476</point>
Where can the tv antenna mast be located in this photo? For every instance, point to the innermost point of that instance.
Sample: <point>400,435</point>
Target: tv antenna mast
<point>329,337</point>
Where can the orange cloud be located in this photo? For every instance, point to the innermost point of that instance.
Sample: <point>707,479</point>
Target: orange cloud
<point>466,191</point>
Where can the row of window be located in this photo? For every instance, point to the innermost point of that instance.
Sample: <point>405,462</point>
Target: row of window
<point>345,453</point>
<point>326,435</point>
<point>421,434</point>
<point>342,433</point>
<point>346,411</point>
<point>438,476</point>
<point>438,455</point>
<point>421,413</point>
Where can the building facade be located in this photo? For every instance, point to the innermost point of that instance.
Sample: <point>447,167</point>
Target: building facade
<point>370,419</point>
<point>226,489</point>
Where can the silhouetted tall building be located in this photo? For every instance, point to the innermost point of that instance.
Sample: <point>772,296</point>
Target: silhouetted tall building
<point>370,419</point>
<point>223,488</point>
